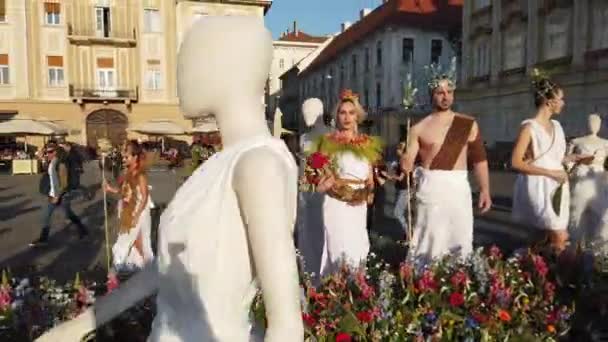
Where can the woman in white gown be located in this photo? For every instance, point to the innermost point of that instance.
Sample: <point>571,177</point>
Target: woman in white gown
<point>133,246</point>
<point>539,155</point>
<point>348,190</point>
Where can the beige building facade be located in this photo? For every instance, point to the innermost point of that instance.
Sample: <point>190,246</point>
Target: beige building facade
<point>98,67</point>
<point>504,40</point>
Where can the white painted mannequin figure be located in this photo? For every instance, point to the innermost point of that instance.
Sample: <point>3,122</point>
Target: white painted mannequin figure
<point>312,111</point>
<point>310,215</point>
<point>231,223</point>
<point>589,203</point>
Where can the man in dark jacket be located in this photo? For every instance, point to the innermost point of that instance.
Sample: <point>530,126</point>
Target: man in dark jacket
<point>57,182</point>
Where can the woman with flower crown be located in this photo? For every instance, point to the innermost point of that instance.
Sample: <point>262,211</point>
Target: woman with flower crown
<point>348,188</point>
<point>539,155</point>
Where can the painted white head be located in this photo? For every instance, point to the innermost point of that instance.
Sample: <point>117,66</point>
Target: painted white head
<point>312,108</point>
<point>595,123</point>
<point>221,61</point>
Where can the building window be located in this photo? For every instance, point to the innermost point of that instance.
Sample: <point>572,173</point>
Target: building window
<point>366,59</point>
<point>55,67</point>
<point>557,28</point>
<point>600,22</point>
<point>514,49</point>
<point>102,21</point>
<point>379,54</point>
<point>378,95</point>
<point>481,60</point>
<point>407,50</point>
<point>354,65</point>
<point>281,63</point>
<point>479,4</point>
<point>105,74</point>
<point>151,20</point>
<point>52,13</point>
<point>436,47</point>
<point>153,79</point>
<point>4,69</point>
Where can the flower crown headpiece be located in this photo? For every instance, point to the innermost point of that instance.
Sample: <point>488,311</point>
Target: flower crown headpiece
<point>542,84</point>
<point>348,95</point>
<point>436,74</point>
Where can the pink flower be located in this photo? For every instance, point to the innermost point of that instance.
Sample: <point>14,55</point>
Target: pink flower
<point>366,290</point>
<point>5,299</point>
<point>427,281</point>
<point>456,299</point>
<point>495,252</point>
<point>112,283</point>
<point>459,278</point>
<point>406,270</point>
<point>540,265</point>
<point>549,290</point>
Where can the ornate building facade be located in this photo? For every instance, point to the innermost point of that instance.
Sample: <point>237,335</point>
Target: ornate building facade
<point>98,66</point>
<point>374,55</point>
<point>504,40</point>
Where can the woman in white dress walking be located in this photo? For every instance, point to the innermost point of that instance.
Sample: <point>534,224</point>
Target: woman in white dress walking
<point>133,247</point>
<point>349,189</point>
<point>539,155</point>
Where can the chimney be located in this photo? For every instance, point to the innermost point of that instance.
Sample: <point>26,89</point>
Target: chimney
<point>345,25</point>
<point>364,12</point>
<point>295,26</point>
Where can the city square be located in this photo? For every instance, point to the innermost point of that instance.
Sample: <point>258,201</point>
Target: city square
<point>248,170</point>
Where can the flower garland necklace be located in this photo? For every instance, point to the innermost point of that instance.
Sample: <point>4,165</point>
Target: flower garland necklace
<point>361,145</point>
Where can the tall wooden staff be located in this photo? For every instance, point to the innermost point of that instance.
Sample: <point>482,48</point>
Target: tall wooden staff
<point>409,228</point>
<point>104,147</point>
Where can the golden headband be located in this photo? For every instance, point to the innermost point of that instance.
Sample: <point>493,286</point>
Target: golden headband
<point>348,95</point>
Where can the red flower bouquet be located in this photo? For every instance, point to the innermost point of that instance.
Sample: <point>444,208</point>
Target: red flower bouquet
<point>318,165</point>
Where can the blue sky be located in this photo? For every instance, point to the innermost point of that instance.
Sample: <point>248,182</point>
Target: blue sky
<point>316,17</point>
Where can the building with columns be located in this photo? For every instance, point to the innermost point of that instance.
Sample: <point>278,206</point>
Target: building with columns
<point>504,40</point>
<point>98,67</point>
<point>291,47</point>
<point>373,56</point>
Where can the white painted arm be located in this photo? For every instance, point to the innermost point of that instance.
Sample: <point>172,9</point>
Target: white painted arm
<point>261,184</point>
<point>138,287</point>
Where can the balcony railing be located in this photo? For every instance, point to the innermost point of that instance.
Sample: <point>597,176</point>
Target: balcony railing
<point>96,93</point>
<point>87,34</point>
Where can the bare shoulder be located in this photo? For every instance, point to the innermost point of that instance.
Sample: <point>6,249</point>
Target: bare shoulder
<point>466,116</point>
<point>420,123</point>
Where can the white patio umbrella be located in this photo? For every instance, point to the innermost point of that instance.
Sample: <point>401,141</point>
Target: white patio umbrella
<point>59,129</point>
<point>24,126</point>
<point>159,127</point>
<point>205,127</point>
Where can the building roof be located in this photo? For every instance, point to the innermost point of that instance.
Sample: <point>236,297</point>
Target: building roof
<point>301,37</point>
<point>425,14</point>
<point>305,62</point>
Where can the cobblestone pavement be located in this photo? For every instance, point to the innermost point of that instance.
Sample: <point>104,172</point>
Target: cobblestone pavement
<point>21,209</point>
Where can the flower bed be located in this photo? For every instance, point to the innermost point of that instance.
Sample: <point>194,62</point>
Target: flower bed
<point>486,298</point>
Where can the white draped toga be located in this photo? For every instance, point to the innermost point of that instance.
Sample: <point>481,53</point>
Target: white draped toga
<point>125,257</point>
<point>345,225</point>
<point>444,215</point>
<point>207,280</point>
<point>589,201</point>
<point>532,197</point>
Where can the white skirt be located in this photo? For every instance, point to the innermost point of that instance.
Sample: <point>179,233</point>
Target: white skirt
<point>126,258</point>
<point>533,203</point>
